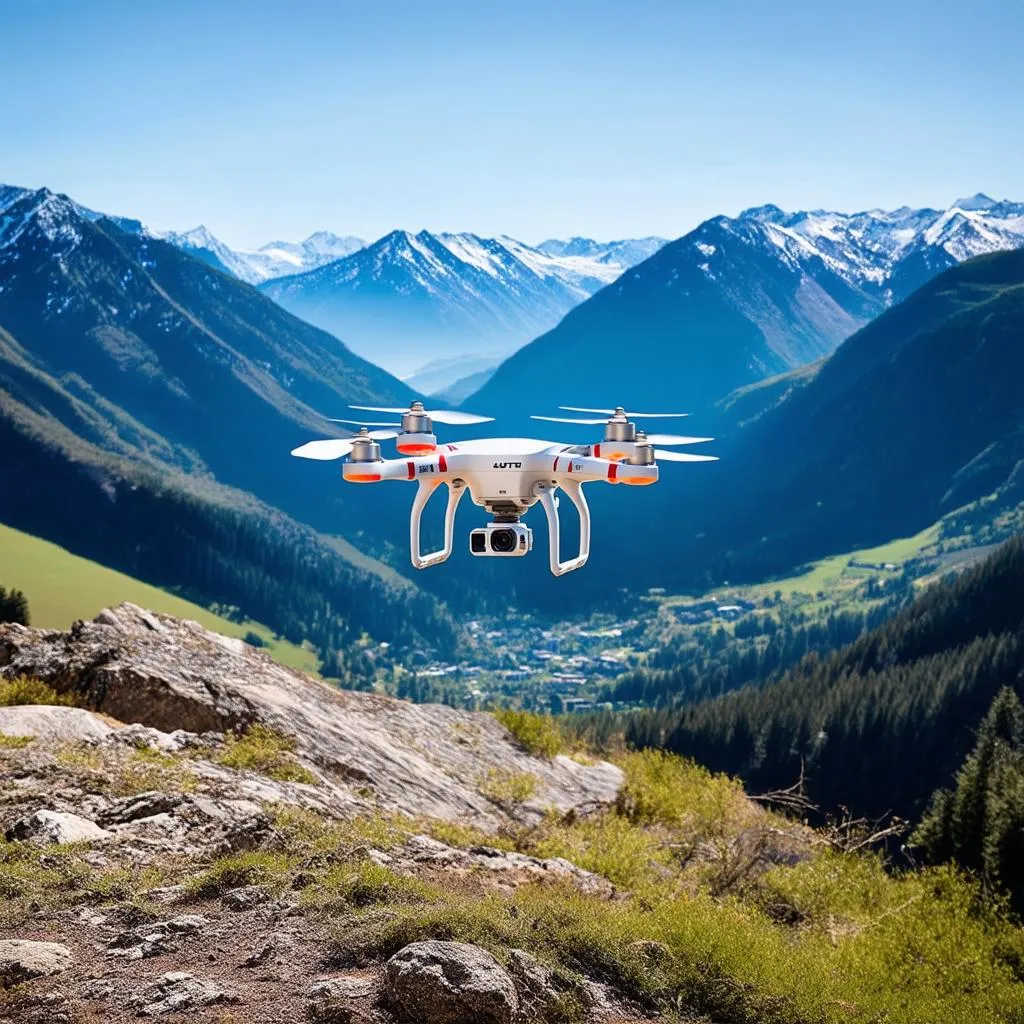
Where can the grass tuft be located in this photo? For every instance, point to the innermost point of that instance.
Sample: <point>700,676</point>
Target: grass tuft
<point>14,742</point>
<point>267,751</point>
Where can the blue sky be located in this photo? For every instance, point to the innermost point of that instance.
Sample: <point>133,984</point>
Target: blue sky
<point>270,120</point>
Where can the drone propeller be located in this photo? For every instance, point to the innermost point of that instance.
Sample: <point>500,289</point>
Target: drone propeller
<point>338,447</point>
<point>324,451</point>
<point>675,439</point>
<point>449,416</point>
<point>567,419</point>
<point>619,411</point>
<point>682,456</point>
<point>367,423</point>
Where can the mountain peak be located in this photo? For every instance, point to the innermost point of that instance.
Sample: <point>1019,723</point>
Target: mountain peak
<point>769,212</point>
<point>979,201</point>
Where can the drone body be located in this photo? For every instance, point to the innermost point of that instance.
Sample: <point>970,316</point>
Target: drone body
<point>506,476</point>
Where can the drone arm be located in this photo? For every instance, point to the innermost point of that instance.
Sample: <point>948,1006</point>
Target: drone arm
<point>423,492</point>
<point>546,494</point>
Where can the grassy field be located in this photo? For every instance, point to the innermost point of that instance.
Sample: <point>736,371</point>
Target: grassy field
<point>62,587</point>
<point>837,570</point>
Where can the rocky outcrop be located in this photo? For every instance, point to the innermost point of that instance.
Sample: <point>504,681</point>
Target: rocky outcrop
<point>449,983</point>
<point>22,960</point>
<point>70,725</point>
<point>170,675</point>
<point>56,827</point>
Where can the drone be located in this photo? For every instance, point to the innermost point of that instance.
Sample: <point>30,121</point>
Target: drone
<point>504,475</point>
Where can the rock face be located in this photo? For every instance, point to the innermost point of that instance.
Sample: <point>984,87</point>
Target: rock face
<point>178,991</point>
<point>57,827</point>
<point>73,725</point>
<point>449,983</point>
<point>171,674</point>
<point>21,960</point>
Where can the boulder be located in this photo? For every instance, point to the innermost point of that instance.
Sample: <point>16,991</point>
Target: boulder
<point>449,983</point>
<point>55,724</point>
<point>427,759</point>
<point>55,827</point>
<point>22,960</point>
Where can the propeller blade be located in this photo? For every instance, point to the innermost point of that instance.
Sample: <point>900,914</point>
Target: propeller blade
<point>453,416</point>
<point>566,419</point>
<point>365,423</point>
<point>324,451</point>
<point>382,435</point>
<point>449,416</point>
<point>682,457</point>
<point>673,439</point>
<point>630,415</point>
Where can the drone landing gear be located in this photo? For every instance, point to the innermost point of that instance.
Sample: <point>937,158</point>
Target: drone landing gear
<point>545,493</point>
<point>456,489</point>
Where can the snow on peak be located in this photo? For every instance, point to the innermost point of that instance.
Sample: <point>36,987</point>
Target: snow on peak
<point>979,201</point>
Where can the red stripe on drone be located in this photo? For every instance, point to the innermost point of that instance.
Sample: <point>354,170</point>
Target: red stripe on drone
<point>442,464</point>
<point>613,471</point>
<point>412,469</point>
<point>554,468</point>
<point>597,451</point>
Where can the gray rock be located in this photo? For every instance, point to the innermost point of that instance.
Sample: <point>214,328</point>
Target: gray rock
<point>22,960</point>
<point>341,988</point>
<point>178,991</point>
<point>54,827</point>
<point>188,924</point>
<point>268,951</point>
<point>414,758</point>
<point>53,724</point>
<point>449,983</point>
<point>533,980</point>
<point>245,898</point>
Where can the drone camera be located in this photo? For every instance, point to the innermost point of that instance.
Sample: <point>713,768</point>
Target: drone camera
<point>508,540</point>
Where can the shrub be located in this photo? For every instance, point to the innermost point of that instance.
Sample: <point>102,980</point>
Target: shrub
<point>14,606</point>
<point>24,690</point>
<point>537,734</point>
<point>509,789</point>
<point>265,750</point>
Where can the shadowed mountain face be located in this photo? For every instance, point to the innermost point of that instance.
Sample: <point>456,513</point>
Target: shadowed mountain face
<point>148,405</point>
<point>190,354</point>
<point>739,300</point>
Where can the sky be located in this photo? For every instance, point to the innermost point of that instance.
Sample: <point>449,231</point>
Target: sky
<point>269,121</point>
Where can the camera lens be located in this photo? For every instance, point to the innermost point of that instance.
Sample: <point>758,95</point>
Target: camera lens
<point>503,541</point>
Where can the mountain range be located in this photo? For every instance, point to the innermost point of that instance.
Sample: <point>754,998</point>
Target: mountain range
<point>159,399</point>
<point>741,299</point>
<point>275,259</point>
<point>409,300</point>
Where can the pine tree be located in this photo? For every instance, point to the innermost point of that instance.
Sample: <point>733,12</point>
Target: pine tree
<point>980,823</point>
<point>13,606</point>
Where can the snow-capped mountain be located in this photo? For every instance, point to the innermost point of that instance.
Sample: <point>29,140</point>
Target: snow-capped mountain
<point>625,252</point>
<point>276,259</point>
<point>410,299</point>
<point>742,298</point>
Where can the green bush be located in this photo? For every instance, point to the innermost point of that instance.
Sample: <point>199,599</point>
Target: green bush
<point>537,734</point>
<point>24,690</point>
<point>14,606</point>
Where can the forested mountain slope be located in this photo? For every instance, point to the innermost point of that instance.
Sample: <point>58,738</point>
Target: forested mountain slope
<point>880,724</point>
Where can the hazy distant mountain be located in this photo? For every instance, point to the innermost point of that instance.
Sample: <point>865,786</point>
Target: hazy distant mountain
<point>439,374</point>
<point>626,252</point>
<point>740,299</point>
<point>276,259</point>
<point>407,300</point>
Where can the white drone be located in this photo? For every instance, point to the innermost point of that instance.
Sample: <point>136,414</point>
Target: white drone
<point>505,475</point>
